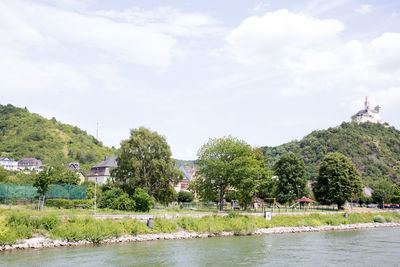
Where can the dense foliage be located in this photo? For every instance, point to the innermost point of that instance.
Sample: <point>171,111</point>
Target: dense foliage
<point>25,134</point>
<point>185,196</point>
<point>292,180</point>
<point>144,161</point>
<point>116,199</point>
<point>373,148</point>
<point>338,180</point>
<point>229,163</point>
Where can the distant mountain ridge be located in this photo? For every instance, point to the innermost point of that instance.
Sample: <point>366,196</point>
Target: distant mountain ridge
<point>25,134</point>
<point>373,147</point>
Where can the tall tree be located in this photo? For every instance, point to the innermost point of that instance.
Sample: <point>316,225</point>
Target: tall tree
<point>383,192</point>
<point>292,180</point>
<point>227,162</point>
<point>144,161</point>
<point>42,182</point>
<point>338,180</point>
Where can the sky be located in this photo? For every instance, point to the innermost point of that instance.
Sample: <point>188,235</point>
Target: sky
<point>266,72</point>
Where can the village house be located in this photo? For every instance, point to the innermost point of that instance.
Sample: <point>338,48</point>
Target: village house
<point>9,164</point>
<point>101,172</point>
<point>75,166</point>
<point>189,175</point>
<point>31,164</point>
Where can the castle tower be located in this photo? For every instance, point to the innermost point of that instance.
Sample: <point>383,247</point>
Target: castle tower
<point>366,103</point>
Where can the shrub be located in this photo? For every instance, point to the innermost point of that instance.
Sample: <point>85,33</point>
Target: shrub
<point>116,199</point>
<point>60,203</point>
<point>379,219</point>
<point>135,227</point>
<point>83,203</point>
<point>185,196</point>
<point>162,225</point>
<point>143,202</point>
<point>49,222</point>
<point>7,236</point>
<point>388,219</point>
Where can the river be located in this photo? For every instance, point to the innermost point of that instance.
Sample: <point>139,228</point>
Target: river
<point>370,247</point>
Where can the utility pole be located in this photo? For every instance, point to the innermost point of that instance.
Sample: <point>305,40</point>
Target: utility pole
<point>97,130</point>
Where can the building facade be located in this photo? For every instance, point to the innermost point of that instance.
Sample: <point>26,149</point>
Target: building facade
<point>101,172</point>
<point>9,164</point>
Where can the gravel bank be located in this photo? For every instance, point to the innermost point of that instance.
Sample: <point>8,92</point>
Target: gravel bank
<point>43,242</point>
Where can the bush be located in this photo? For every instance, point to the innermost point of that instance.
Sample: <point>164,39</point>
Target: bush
<point>185,196</point>
<point>135,227</point>
<point>83,203</point>
<point>49,222</point>
<point>162,225</point>
<point>60,203</point>
<point>379,219</point>
<point>116,199</point>
<point>143,202</point>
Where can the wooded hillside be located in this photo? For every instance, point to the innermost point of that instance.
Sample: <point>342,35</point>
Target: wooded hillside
<point>374,148</point>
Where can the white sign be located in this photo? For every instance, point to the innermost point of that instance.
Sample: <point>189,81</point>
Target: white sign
<point>267,215</point>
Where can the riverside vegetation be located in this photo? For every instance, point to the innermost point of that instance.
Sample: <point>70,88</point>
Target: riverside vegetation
<point>16,225</point>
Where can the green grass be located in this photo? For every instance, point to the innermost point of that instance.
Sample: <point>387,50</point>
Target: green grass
<point>17,225</point>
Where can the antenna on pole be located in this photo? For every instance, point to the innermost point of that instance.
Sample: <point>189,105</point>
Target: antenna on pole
<point>97,130</point>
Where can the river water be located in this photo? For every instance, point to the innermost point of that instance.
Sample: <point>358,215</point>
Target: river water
<point>371,247</point>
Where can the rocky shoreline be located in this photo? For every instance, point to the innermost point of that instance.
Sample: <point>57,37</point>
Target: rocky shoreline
<point>44,242</point>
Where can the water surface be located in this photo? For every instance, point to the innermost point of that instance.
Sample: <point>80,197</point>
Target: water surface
<point>371,247</point>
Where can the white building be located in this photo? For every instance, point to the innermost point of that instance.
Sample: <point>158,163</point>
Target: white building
<point>368,114</point>
<point>9,164</point>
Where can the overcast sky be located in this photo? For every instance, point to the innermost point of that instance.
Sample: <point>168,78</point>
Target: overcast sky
<point>267,72</point>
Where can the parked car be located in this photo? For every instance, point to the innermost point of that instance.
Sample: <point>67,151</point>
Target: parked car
<point>386,206</point>
<point>394,206</point>
<point>372,205</point>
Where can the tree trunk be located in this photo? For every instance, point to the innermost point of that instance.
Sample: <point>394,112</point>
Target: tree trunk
<point>44,197</point>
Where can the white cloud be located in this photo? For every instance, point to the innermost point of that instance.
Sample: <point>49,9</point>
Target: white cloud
<point>364,9</point>
<point>166,20</point>
<point>279,36</point>
<point>311,55</point>
<point>26,23</point>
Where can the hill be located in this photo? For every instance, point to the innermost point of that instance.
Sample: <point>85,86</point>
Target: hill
<point>373,148</point>
<point>25,134</point>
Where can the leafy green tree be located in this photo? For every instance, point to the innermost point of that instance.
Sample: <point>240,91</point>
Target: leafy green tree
<point>338,180</point>
<point>383,192</point>
<point>292,180</point>
<point>396,194</point>
<point>143,202</point>
<point>144,161</point>
<point>231,195</point>
<point>227,162</point>
<point>166,195</point>
<point>185,196</point>
<point>42,183</point>
<point>60,175</point>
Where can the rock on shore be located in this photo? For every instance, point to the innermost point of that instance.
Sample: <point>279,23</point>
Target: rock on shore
<point>44,242</point>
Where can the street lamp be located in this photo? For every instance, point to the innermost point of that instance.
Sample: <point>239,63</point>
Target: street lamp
<point>95,191</point>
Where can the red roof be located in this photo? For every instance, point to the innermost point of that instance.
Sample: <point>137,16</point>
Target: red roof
<point>304,199</point>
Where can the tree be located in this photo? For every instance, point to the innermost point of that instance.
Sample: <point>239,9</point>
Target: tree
<point>338,180</point>
<point>227,162</point>
<point>166,195</point>
<point>61,175</point>
<point>42,183</point>
<point>383,192</point>
<point>292,180</point>
<point>185,196</point>
<point>144,161</point>
<point>116,199</point>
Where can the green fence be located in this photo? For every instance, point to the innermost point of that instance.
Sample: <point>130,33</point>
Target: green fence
<point>14,192</point>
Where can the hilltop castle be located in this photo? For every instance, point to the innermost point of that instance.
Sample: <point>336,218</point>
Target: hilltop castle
<point>368,114</point>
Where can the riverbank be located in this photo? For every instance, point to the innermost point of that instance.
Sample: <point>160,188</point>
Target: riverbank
<point>45,242</point>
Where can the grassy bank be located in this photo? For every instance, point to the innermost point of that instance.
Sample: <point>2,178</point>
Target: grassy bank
<point>19,225</point>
